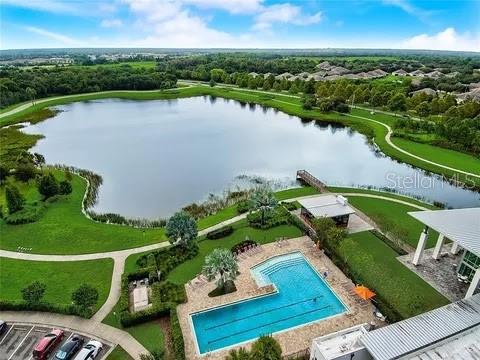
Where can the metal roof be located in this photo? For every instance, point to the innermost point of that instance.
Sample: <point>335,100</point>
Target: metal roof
<point>459,225</point>
<point>327,206</point>
<point>422,331</point>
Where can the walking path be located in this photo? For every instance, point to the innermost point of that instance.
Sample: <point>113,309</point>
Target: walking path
<point>94,325</point>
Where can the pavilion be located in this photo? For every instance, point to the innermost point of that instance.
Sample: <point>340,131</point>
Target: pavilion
<point>330,206</point>
<point>462,227</point>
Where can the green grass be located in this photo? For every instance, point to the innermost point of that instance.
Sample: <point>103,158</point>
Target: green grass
<point>222,215</point>
<point>396,213</point>
<point>376,264</point>
<point>148,334</point>
<point>189,269</point>
<point>61,278</point>
<point>295,192</point>
<point>64,229</point>
<point>437,154</point>
<point>119,354</point>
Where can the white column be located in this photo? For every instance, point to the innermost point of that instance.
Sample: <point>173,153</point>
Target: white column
<point>455,248</point>
<point>420,247</point>
<point>438,247</point>
<point>473,284</point>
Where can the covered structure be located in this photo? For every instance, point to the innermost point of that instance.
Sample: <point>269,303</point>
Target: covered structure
<point>451,331</point>
<point>462,227</point>
<point>334,207</point>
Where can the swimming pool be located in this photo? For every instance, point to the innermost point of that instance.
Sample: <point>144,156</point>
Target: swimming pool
<point>302,297</point>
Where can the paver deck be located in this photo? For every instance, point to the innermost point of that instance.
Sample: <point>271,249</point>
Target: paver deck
<point>293,340</point>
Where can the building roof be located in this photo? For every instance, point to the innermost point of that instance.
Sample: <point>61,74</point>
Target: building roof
<point>327,206</point>
<point>424,331</point>
<point>459,225</point>
<point>400,72</point>
<point>340,343</point>
<point>428,91</point>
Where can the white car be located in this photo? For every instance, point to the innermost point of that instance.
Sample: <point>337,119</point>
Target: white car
<point>89,351</point>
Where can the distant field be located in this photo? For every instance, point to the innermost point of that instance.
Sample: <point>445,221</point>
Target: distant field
<point>134,64</point>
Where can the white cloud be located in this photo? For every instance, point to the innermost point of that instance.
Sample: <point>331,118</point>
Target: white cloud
<point>66,40</point>
<point>232,6</point>
<point>284,13</point>
<point>111,23</point>
<point>406,6</point>
<point>55,6</point>
<point>448,39</point>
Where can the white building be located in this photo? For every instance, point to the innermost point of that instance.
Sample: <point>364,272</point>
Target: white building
<point>334,207</point>
<point>449,332</point>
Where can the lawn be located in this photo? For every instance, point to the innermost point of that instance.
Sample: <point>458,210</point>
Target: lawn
<point>119,354</point>
<point>189,269</point>
<point>295,192</point>
<point>375,263</point>
<point>148,334</point>
<point>440,155</point>
<point>64,229</point>
<point>397,214</point>
<point>61,278</point>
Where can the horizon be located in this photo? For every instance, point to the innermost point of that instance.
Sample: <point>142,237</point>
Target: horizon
<point>253,24</point>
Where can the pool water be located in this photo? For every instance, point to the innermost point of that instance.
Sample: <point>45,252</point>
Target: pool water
<point>302,297</point>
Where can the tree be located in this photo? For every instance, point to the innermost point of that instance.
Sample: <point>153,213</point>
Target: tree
<point>181,228</point>
<point>34,292</point>
<point>264,200</point>
<point>335,235</point>
<point>48,185</point>
<point>65,187</point>
<point>322,226</point>
<point>266,348</point>
<point>398,103</point>
<point>157,354</point>
<point>308,102</point>
<point>38,159</point>
<point>85,296</point>
<point>423,109</point>
<point>3,173</point>
<point>220,262</point>
<point>15,200</point>
<point>31,93</point>
<point>25,172</point>
<point>212,83</point>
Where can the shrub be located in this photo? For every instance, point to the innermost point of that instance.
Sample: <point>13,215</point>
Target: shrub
<point>276,217</point>
<point>33,293</point>
<point>241,247</point>
<point>177,335</point>
<point>168,292</point>
<point>243,206</point>
<point>290,206</point>
<point>128,319</point>
<point>220,233</point>
<point>48,185</point>
<point>266,348</point>
<point>44,307</point>
<point>85,296</point>
<point>15,200</point>
<point>25,172</point>
<point>65,187</point>
<point>30,213</point>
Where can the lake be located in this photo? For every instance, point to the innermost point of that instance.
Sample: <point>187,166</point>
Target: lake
<point>157,156</point>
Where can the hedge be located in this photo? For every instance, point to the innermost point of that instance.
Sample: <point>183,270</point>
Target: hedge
<point>45,307</point>
<point>177,335</point>
<point>220,233</point>
<point>128,318</point>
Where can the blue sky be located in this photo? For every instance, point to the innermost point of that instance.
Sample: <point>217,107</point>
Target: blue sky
<point>443,25</point>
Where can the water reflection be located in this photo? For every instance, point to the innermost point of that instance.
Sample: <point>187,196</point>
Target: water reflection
<point>157,156</point>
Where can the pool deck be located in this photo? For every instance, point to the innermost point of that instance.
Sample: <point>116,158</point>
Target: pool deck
<point>291,341</point>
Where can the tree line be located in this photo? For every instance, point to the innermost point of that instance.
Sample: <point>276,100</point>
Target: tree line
<point>17,84</point>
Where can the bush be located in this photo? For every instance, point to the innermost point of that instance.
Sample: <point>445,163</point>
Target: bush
<point>30,213</point>
<point>65,187</point>
<point>25,172</point>
<point>44,307</point>
<point>128,319</point>
<point>168,292</point>
<point>290,206</point>
<point>241,247</point>
<point>177,335</point>
<point>48,185</point>
<point>33,293</point>
<point>276,217</point>
<point>266,348</point>
<point>220,233</point>
<point>15,200</point>
<point>243,206</point>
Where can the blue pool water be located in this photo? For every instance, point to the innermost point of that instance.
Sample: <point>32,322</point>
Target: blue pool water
<point>302,297</point>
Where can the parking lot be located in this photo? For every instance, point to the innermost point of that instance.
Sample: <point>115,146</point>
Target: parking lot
<point>18,341</point>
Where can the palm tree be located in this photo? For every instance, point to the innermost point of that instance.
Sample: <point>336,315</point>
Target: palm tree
<point>263,199</point>
<point>220,262</point>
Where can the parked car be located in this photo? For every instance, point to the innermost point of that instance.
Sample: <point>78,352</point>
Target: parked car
<point>69,349</point>
<point>90,351</point>
<point>3,327</point>
<point>47,344</point>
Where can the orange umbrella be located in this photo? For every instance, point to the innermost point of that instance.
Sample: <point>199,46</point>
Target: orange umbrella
<point>364,292</point>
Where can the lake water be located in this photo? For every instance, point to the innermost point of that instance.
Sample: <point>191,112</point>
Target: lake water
<point>158,156</point>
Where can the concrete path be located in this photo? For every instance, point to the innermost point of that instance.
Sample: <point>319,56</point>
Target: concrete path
<point>85,326</point>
